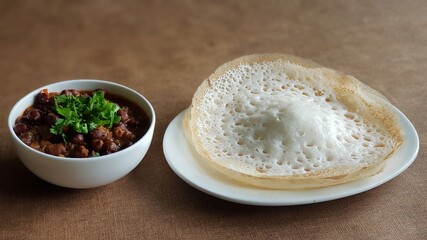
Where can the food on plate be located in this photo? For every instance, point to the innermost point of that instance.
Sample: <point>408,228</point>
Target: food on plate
<point>80,124</point>
<point>282,122</point>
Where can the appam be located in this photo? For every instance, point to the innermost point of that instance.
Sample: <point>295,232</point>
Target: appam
<point>283,122</point>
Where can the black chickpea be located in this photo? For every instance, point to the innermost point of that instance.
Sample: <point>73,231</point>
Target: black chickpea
<point>34,126</point>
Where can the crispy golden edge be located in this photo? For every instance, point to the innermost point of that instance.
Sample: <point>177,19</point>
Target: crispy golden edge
<point>257,58</point>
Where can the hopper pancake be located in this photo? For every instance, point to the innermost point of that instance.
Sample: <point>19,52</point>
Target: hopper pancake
<point>278,121</point>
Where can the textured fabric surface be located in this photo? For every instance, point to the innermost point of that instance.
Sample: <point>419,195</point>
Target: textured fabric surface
<point>164,49</point>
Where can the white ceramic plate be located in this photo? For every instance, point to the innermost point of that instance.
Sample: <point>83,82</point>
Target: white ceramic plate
<point>189,165</point>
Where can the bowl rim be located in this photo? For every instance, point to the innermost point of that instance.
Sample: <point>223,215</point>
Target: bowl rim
<point>150,112</point>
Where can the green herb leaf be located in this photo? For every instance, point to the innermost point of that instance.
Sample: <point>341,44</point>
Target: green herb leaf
<point>84,114</point>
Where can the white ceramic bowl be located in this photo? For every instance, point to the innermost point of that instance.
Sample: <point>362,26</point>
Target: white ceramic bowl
<point>83,172</point>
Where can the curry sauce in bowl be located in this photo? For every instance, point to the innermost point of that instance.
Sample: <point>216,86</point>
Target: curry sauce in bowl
<point>74,123</point>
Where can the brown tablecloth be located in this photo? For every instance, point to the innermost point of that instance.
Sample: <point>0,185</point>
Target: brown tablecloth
<point>164,49</point>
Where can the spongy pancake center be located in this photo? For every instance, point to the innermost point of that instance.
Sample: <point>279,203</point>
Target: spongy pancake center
<point>279,124</point>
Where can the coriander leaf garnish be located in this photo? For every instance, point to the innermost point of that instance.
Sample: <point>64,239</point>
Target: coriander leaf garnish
<point>84,114</point>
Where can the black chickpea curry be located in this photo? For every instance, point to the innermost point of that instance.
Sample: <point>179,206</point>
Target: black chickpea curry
<point>81,123</point>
